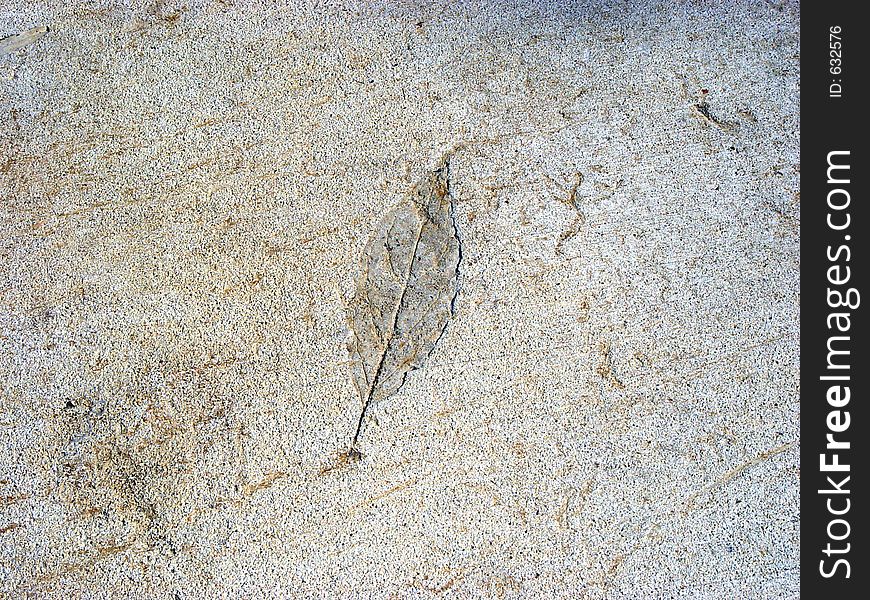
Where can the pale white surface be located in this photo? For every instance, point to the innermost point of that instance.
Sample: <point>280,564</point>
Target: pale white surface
<point>186,190</point>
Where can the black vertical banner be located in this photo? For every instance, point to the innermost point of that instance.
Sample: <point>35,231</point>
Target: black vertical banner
<point>834,368</point>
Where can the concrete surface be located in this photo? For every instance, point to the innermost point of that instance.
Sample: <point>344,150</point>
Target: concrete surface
<point>187,188</point>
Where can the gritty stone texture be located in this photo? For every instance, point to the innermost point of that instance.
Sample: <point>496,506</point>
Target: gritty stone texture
<point>187,187</point>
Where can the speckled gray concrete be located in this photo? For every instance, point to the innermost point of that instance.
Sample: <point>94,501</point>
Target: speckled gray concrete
<point>186,190</point>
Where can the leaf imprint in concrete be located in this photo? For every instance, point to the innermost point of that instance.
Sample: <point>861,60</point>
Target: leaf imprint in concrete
<point>405,292</point>
<point>14,42</point>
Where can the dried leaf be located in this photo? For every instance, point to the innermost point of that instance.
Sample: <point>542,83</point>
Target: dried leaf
<point>405,293</point>
<point>14,42</point>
